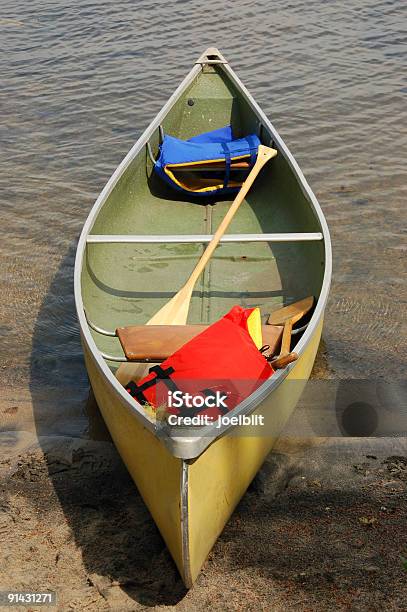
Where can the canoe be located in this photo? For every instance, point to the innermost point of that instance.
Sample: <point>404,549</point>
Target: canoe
<point>138,247</point>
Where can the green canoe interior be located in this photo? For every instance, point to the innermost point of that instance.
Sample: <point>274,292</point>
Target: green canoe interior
<point>125,284</point>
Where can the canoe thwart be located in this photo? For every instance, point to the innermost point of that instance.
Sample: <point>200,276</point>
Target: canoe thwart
<point>201,238</point>
<point>157,342</point>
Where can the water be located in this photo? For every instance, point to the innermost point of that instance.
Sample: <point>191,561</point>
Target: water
<point>79,85</point>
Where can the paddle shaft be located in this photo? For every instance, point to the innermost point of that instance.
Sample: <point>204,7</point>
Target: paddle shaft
<point>286,339</point>
<point>263,156</point>
<point>288,316</point>
<point>175,312</point>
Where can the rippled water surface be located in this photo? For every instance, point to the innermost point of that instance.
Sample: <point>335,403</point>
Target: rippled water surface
<point>80,83</point>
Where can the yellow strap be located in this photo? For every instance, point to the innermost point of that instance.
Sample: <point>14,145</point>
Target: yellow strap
<point>168,171</point>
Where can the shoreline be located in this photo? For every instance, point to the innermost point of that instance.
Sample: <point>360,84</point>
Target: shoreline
<point>319,527</point>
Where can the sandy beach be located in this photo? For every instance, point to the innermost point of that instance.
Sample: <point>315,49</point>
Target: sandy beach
<point>320,528</point>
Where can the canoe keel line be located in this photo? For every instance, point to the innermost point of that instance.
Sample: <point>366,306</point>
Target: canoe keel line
<point>136,250</point>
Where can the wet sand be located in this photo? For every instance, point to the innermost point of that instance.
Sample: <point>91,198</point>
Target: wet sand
<point>320,528</point>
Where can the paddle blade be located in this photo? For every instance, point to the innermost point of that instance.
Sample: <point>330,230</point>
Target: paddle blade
<point>174,312</point>
<point>293,312</point>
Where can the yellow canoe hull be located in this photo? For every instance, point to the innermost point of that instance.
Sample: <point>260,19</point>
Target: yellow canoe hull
<point>139,245</point>
<point>192,500</point>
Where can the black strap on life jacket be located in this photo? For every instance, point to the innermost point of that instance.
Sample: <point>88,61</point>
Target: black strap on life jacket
<point>211,393</point>
<point>136,391</point>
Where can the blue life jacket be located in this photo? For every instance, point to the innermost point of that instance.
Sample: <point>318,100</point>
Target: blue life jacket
<point>177,156</point>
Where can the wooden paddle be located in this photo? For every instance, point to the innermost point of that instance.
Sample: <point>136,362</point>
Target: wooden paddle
<point>175,312</point>
<point>288,316</point>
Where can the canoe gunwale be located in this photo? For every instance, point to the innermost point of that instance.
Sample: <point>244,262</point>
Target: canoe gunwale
<point>191,447</point>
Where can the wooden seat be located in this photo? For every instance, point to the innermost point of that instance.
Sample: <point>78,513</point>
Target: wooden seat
<point>154,343</point>
<point>214,166</point>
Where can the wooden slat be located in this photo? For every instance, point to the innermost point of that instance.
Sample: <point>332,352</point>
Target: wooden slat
<point>215,167</point>
<point>155,343</point>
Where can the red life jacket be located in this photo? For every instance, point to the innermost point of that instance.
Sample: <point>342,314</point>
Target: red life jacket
<point>222,361</point>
